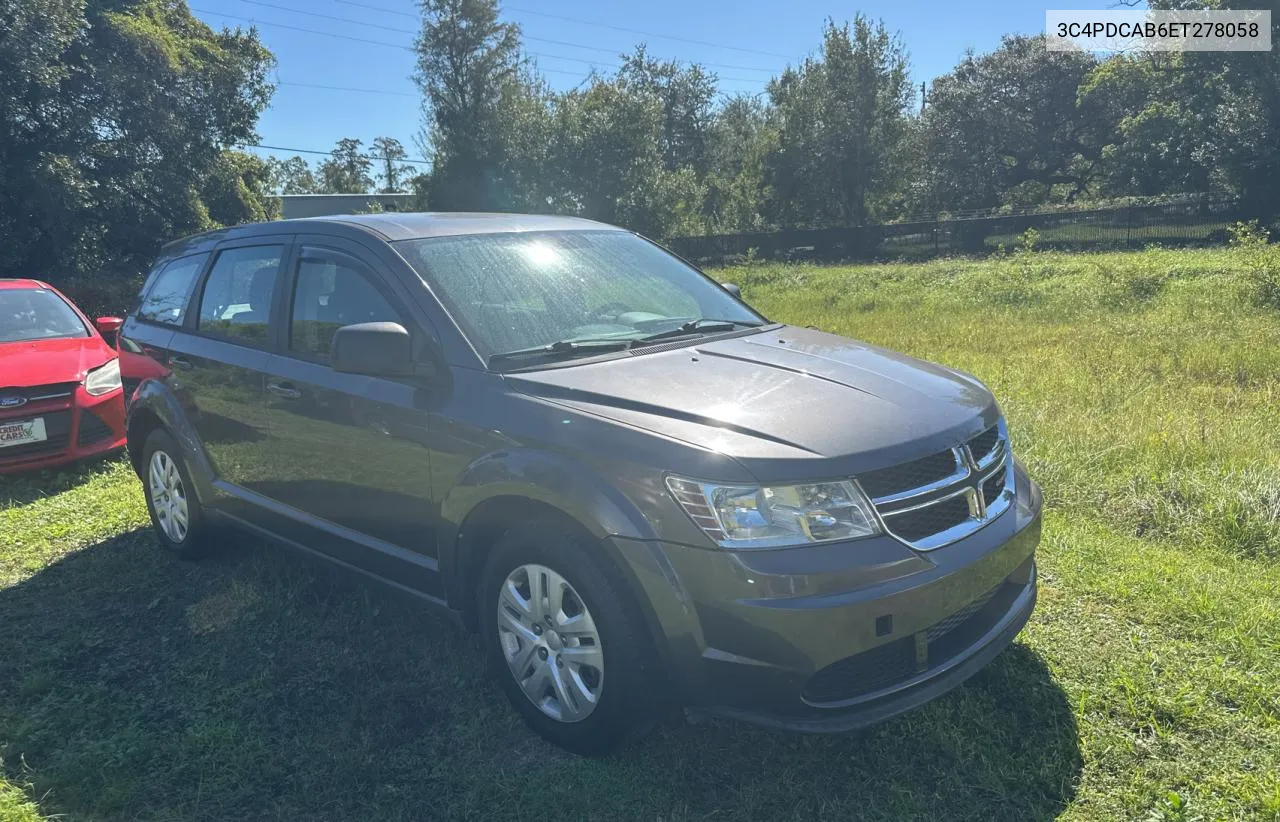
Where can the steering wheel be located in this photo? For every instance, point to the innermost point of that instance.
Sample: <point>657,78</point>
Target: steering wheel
<point>598,313</point>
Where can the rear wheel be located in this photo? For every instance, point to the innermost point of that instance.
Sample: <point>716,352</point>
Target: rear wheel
<point>565,641</point>
<point>175,512</point>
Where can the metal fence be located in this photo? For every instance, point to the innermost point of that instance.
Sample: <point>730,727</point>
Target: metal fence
<point>1200,220</point>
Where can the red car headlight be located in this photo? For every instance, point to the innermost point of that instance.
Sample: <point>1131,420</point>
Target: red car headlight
<point>104,379</point>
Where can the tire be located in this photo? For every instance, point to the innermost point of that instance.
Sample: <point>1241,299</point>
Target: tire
<point>169,492</point>
<point>624,708</point>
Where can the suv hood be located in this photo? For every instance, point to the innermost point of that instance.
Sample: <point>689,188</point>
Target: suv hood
<point>779,400</point>
<point>40,362</point>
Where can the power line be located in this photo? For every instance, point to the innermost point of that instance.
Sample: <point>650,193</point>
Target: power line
<point>647,33</point>
<point>414,160</point>
<point>300,28</point>
<point>348,88</point>
<point>677,39</point>
<point>730,66</point>
<point>400,46</point>
<point>382,9</point>
<point>398,30</point>
<point>327,16</point>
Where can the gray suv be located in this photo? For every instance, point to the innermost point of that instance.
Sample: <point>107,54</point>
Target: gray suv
<point>638,491</point>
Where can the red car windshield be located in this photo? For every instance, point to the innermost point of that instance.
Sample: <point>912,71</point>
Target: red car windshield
<point>36,314</point>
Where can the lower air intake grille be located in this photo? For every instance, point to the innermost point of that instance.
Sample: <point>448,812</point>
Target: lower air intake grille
<point>900,660</point>
<point>863,673</point>
<point>960,616</point>
<point>92,429</point>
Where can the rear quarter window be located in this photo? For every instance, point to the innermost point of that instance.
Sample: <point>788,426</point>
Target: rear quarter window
<point>165,297</point>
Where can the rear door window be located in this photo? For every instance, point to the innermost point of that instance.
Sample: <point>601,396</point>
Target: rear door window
<point>165,301</point>
<point>236,301</point>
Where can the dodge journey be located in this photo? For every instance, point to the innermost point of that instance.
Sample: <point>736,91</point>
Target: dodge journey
<point>637,490</point>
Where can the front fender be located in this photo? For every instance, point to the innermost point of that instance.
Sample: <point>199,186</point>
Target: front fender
<point>558,482</point>
<point>156,399</point>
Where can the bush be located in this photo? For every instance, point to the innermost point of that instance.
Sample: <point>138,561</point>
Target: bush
<point>1261,262</point>
<point>104,295</point>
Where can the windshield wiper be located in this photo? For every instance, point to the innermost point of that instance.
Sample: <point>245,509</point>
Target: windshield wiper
<point>564,349</point>
<point>704,325</point>
<point>567,349</point>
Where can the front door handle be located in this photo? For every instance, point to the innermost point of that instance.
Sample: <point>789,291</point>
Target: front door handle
<point>284,390</point>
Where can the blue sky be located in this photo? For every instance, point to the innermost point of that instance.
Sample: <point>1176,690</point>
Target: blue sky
<point>744,41</point>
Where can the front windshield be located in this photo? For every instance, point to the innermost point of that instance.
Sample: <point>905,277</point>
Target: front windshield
<point>36,314</point>
<point>512,292</point>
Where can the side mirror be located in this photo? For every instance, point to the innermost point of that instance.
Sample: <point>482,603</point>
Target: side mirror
<point>109,328</point>
<point>372,349</point>
<point>732,289</point>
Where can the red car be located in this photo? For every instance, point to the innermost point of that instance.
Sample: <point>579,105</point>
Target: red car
<point>61,398</point>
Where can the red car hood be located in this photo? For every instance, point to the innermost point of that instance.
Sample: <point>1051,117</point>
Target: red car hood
<point>38,362</point>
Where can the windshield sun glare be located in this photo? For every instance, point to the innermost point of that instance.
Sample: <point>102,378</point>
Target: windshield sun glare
<point>516,292</point>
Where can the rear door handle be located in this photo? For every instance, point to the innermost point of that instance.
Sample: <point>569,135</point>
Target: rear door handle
<point>179,362</point>
<point>284,389</point>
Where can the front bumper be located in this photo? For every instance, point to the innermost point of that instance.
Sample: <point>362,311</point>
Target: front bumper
<point>835,637</point>
<point>79,426</point>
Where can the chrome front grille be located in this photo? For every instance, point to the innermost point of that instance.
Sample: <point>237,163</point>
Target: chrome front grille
<point>938,499</point>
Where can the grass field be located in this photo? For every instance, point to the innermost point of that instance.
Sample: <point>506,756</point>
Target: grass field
<point>1142,389</point>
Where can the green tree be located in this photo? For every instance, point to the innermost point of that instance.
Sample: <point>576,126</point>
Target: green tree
<point>347,170</point>
<point>608,155</point>
<point>1193,121</point>
<point>686,96</point>
<point>523,170</point>
<point>467,61</point>
<point>237,190</point>
<point>114,118</point>
<point>841,117</point>
<point>292,176</point>
<point>1248,124</point>
<point>743,136</point>
<point>1005,129</point>
<point>393,173</point>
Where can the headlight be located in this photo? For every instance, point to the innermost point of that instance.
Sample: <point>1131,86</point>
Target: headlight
<point>104,379</point>
<point>774,516</point>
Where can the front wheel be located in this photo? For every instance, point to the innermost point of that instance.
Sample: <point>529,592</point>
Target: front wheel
<point>565,642</point>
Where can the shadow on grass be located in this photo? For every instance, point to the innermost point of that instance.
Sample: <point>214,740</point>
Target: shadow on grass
<point>257,685</point>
